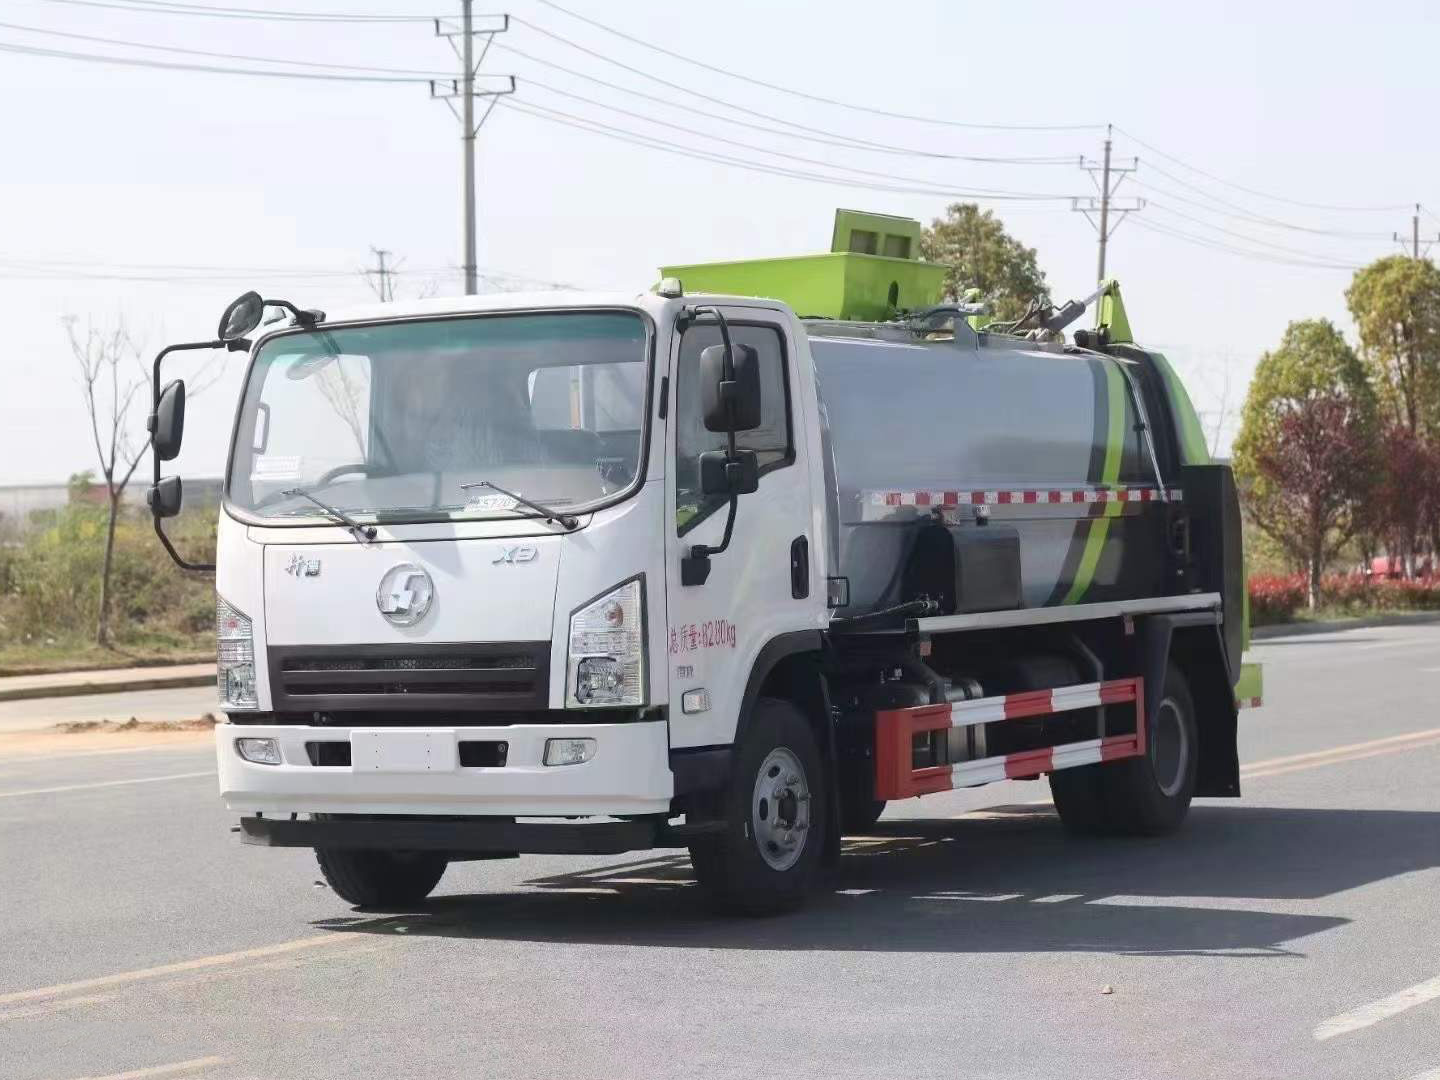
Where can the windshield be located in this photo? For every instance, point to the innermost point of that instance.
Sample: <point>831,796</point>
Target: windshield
<point>394,420</point>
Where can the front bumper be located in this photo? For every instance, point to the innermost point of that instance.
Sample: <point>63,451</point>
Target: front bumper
<point>629,774</point>
<point>472,837</point>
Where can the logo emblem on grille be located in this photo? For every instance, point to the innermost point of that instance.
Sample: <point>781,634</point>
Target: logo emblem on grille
<point>405,594</point>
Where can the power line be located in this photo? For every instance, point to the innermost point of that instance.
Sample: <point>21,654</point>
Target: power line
<point>752,112</point>
<point>32,50</point>
<point>1251,191</point>
<point>1240,214</point>
<point>798,131</point>
<point>786,89</point>
<point>1315,255</point>
<point>751,146</point>
<point>639,139</point>
<point>218,55</point>
<point>160,7</point>
<point>1260,256</point>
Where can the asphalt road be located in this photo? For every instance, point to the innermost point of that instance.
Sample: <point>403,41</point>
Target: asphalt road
<point>1294,933</point>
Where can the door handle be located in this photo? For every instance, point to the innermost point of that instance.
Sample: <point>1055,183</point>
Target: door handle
<point>800,568</point>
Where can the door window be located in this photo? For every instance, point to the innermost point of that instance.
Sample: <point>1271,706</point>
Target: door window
<point>771,441</point>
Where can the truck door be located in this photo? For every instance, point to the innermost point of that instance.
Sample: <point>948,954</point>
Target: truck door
<point>765,583</point>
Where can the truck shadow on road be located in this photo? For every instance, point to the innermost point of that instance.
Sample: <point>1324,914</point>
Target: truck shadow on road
<point>1005,879</point>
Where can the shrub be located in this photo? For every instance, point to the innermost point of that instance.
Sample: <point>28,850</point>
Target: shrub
<point>1276,598</point>
<point>50,581</point>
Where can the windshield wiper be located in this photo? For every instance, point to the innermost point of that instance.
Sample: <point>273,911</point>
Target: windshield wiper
<point>362,533</point>
<point>566,521</point>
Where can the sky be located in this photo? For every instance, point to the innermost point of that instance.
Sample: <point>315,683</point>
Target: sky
<point>153,196</point>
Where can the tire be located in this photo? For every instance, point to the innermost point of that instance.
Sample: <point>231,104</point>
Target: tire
<point>1143,796</point>
<point>1080,801</point>
<point>859,809</point>
<point>380,879</point>
<point>774,811</point>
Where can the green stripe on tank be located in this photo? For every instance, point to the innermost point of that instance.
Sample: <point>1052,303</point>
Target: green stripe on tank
<point>1109,475</point>
<point>1193,450</point>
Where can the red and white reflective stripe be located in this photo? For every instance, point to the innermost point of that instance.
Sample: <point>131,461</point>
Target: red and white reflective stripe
<point>896,777</point>
<point>1035,762</point>
<point>1039,702</point>
<point>1248,703</point>
<point>1020,497</point>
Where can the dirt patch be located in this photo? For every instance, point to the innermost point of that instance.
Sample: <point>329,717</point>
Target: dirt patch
<point>54,744</point>
<point>82,727</point>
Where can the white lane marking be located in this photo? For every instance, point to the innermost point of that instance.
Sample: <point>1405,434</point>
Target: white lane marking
<point>1057,898</point>
<point>1428,1074</point>
<point>197,964</point>
<point>105,783</point>
<point>1376,1011</point>
<point>161,1070</point>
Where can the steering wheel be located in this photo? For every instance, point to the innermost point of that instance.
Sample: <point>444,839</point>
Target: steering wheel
<point>340,470</point>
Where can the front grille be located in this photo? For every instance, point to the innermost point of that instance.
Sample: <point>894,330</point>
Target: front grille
<point>472,678</point>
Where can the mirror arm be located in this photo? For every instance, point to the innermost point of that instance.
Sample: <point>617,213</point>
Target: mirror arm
<point>178,559</point>
<point>150,424</point>
<point>301,317</point>
<point>695,567</point>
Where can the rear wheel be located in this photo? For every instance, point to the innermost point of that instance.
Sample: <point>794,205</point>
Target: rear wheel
<point>774,816</point>
<point>1143,796</point>
<point>380,879</point>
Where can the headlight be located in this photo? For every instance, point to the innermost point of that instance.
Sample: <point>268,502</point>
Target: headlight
<point>235,657</point>
<point>607,650</point>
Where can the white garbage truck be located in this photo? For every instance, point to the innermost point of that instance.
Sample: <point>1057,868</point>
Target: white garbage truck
<point>574,573</point>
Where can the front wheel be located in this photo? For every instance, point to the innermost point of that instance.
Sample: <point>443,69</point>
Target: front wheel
<point>380,879</point>
<point>774,817</point>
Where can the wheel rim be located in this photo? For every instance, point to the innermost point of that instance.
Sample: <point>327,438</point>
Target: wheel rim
<point>780,809</point>
<point>1169,748</point>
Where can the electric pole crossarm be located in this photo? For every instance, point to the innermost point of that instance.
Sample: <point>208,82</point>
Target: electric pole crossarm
<point>1111,176</point>
<point>464,89</point>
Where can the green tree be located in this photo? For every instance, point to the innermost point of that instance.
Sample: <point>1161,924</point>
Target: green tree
<point>980,254</point>
<point>1306,451</point>
<point>1395,303</point>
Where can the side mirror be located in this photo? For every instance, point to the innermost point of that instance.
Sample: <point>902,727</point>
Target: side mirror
<point>721,474</point>
<point>730,404</point>
<point>242,316</point>
<point>165,497</point>
<point>168,424</point>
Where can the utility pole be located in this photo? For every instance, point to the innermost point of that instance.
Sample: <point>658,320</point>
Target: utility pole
<point>1103,205</point>
<point>464,89</point>
<point>384,283</point>
<point>1414,235</point>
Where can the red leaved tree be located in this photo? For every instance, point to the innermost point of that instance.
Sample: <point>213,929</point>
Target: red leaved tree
<point>1317,468</point>
<point>1405,501</point>
<point>1305,455</point>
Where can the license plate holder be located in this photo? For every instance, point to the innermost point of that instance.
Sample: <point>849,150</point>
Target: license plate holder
<point>390,750</point>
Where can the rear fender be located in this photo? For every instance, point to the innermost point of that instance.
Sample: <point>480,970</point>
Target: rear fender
<point>1193,641</point>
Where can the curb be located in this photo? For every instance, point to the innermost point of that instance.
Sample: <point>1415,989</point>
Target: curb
<point>1330,626</point>
<point>79,689</point>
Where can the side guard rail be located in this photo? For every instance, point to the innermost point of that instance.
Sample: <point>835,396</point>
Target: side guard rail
<point>898,777</point>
